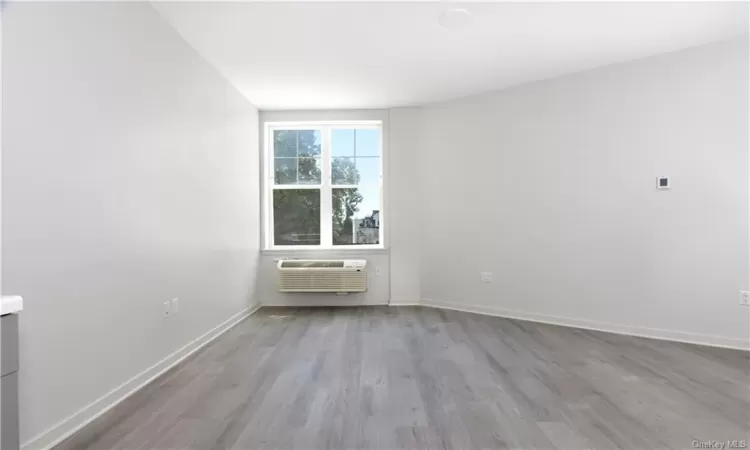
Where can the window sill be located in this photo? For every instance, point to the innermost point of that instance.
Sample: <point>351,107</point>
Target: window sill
<point>325,252</point>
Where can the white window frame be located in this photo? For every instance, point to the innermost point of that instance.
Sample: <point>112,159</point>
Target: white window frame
<point>326,187</point>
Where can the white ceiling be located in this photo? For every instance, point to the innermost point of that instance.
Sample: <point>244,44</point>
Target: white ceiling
<point>383,54</point>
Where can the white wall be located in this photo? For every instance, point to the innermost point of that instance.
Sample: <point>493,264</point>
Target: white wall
<point>406,223</point>
<point>394,272</point>
<point>130,177</point>
<point>551,186</point>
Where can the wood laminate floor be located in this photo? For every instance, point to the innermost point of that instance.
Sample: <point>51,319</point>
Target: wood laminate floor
<point>410,377</point>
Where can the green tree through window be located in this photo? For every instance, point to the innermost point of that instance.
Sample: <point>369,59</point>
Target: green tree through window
<point>296,212</point>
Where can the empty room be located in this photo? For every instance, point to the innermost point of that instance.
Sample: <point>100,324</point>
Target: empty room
<point>374,225</point>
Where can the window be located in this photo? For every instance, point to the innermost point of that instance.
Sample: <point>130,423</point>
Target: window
<point>324,184</point>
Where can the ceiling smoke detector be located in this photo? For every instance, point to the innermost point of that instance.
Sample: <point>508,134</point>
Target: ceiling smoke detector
<point>454,18</point>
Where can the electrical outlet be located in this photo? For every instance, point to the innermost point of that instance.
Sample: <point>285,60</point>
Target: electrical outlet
<point>176,305</point>
<point>745,298</point>
<point>167,310</point>
<point>486,277</point>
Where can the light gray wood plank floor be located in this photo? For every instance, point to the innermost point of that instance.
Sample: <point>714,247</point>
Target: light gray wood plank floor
<point>420,378</point>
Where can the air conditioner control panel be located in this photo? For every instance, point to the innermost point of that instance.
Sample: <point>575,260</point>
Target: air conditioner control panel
<point>358,264</point>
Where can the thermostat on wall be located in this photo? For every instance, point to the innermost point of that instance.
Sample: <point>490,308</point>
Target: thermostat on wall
<point>662,183</point>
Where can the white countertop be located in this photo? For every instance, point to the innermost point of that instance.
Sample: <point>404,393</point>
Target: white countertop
<point>10,304</point>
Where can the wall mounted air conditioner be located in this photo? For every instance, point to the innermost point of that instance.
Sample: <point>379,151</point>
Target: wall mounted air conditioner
<point>322,275</point>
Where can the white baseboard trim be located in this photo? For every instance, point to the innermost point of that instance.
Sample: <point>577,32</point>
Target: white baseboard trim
<point>630,330</point>
<point>313,302</point>
<point>73,423</point>
<point>404,301</point>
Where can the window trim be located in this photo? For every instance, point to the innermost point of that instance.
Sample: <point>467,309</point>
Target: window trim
<point>326,187</point>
